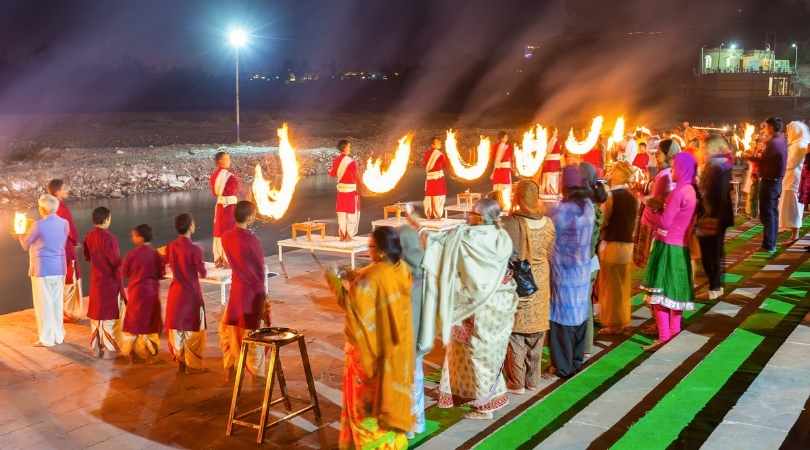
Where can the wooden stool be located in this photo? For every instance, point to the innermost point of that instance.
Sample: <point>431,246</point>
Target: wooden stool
<point>467,197</point>
<point>308,227</point>
<point>274,338</point>
<point>396,209</point>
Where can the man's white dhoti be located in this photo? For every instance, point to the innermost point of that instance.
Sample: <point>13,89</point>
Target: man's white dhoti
<point>434,206</point>
<point>550,183</point>
<point>47,293</point>
<point>103,336</point>
<point>348,223</point>
<point>506,195</point>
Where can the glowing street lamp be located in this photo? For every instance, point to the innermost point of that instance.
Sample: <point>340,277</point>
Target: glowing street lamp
<point>237,38</point>
<point>796,59</point>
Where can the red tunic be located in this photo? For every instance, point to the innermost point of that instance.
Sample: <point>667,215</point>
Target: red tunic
<point>642,160</point>
<point>437,185</point>
<point>552,161</point>
<point>246,300</point>
<point>101,249</point>
<point>143,268</point>
<point>594,157</point>
<point>502,173</point>
<point>225,193</point>
<point>347,199</point>
<point>70,244</point>
<point>185,296</point>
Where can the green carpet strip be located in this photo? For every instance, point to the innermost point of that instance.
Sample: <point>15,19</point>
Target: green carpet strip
<point>662,424</point>
<point>542,414</point>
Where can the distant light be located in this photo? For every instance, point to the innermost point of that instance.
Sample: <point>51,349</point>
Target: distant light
<point>794,45</point>
<point>237,37</point>
<point>733,46</point>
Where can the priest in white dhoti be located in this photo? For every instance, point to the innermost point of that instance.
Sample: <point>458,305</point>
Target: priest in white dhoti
<point>45,242</point>
<point>347,199</point>
<point>225,188</point>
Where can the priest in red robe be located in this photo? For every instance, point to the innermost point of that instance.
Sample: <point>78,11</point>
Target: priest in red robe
<point>502,169</point>
<point>550,180</point>
<point>225,188</point>
<point>247,308</point>
<point>435,184</point>
<point>347,204</point>
<point>143,268</point>
<point>75,307</point>
<point>101,250</point>
<point>185,309</point>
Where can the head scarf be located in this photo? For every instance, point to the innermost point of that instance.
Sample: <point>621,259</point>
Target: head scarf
<point>684,167</point>
<point>798,132</point>
<point>572,178</point>
<point>527,196</point>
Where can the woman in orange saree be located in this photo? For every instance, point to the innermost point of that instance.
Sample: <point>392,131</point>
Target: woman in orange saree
<point>379,348</point>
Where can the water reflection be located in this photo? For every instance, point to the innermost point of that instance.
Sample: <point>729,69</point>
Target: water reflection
<point>313,199</point>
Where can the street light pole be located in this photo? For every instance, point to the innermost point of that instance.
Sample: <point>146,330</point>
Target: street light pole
<point>238,38</point>
<point>796,58</point>
<point>237,96</point>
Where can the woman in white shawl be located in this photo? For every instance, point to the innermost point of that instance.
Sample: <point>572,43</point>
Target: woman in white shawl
<point>467,285</point>
<point>790,209</point>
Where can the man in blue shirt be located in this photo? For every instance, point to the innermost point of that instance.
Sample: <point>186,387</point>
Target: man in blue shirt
<point>45,243</point>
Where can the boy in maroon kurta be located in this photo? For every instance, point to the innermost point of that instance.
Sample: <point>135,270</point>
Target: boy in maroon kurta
<point>101,249</point>
<point>74,307</point>
<point>185,310</point>
<point>143,268</point>
<point>247,308</point>
<point>225,188</point>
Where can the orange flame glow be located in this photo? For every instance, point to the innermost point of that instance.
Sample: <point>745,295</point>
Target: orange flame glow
<point>461,169</point>
<point>20,223</point>
<point>535,144</point>
<point>618,133</point>
<point>379,181</point>
<point>582,147</point>
<point>271,202</point>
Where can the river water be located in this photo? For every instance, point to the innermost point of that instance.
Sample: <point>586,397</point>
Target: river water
<point>314,199</point>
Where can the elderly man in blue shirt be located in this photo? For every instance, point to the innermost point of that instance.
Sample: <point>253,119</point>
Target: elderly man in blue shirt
<point>45,243</point>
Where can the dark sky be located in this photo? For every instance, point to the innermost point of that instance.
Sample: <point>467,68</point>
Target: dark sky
<point>353,32</point>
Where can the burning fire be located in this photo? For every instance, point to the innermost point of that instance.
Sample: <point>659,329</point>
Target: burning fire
<point>748,137</point>
<point>379,181</point>
<point>461,169</point>
<point>582,147</point>
<point>271,202</point>
<point>20,223</point>
<point>535,144</point>
<point>618,133</point>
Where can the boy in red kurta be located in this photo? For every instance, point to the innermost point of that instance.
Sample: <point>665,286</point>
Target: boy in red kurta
<point>143,268</point>
<point>101,249</point>
<point>347,206</point>
<point>74,307</point>
<point>224,187</point>
<point>185,309</point>
<point>435,184</point>
<point>247,308</point>
<point>550,180</point>
<point>502,169</point>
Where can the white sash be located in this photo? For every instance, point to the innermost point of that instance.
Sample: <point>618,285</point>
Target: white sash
<point>346,187</point>
<point>219,186</point>
<point>435,175</point>
<point>554,157</point>
<point>432,160</point>
<point>344,164</point>
<point>504,165</point>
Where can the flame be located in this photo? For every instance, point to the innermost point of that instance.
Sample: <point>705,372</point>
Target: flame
<point>644,130</point>
<point>271,202</point>
<point>748,137</point>
<point>580,148</point>
<point>618,133</point>
<point>461,169</point>
<point>20,223</point>
<point>535,144</point>
<point>380,182</point>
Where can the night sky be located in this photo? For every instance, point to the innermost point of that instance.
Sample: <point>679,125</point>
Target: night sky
<point>55,45</point>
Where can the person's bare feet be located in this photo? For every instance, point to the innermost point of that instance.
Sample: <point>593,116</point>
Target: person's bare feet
<point>475,415</point>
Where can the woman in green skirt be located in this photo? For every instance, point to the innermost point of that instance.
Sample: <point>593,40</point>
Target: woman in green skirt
<point>668,280</point>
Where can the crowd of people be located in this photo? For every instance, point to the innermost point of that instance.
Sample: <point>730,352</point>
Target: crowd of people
<point>522,272</point>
